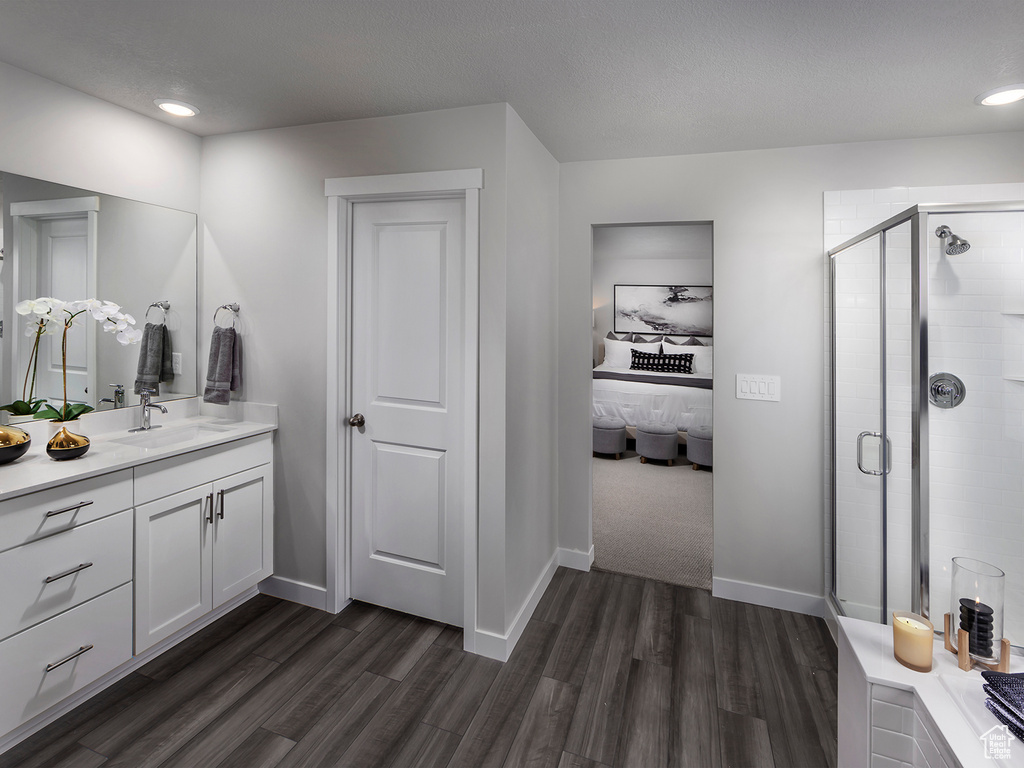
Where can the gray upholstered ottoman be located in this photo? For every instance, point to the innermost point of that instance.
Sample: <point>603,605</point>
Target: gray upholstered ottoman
<point>657,440</point>
<point>698,446</point>
<point>609,435</point>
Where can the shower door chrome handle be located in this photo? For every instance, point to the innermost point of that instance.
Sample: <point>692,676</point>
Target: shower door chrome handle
<point>860,453</point>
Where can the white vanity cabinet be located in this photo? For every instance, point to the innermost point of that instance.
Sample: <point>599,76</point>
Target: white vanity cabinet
<point>195,549</point>
<point>65,582</point>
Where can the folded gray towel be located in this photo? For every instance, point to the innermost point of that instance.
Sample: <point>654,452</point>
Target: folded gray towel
<point>224,371</point>
<point>154,358</point>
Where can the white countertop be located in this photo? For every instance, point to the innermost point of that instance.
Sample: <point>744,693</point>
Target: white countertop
<point>35,470</point>
<point>954,698</point>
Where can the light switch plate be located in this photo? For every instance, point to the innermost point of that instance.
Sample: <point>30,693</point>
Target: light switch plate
<point>175,362</point>
<point>754,386</point>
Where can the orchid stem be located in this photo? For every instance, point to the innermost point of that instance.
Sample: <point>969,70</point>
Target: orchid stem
<point>64,368</point>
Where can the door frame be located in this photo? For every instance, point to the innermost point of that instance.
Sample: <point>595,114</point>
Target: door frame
<point>26,219</point>
<point>341,194</point>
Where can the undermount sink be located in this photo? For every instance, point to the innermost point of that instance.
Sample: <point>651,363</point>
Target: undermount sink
<point>165,436</point>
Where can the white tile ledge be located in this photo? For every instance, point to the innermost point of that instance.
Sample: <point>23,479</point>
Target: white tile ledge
<point>953,699</point>
<point>35,471</point>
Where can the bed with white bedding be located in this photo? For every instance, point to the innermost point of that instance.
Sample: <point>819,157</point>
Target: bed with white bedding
<point>681,399</point>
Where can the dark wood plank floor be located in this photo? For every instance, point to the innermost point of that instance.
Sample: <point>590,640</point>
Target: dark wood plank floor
<point>611,671</point>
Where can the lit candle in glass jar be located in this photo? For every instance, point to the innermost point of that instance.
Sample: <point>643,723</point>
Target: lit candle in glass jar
<point>912,640</point>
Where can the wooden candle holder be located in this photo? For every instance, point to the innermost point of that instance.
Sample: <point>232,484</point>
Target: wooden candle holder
<point>963,656</point>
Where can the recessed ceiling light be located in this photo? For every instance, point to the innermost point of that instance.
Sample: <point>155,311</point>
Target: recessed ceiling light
<point>1007,94</point>
<point>176,108</point>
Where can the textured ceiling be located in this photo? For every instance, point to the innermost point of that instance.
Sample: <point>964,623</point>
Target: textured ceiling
<point>592,78</point>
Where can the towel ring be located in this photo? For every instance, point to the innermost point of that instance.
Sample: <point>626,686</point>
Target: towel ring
<point>163,306</point>
<point>233,308</point>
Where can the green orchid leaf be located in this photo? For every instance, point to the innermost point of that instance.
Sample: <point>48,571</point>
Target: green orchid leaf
<point>19,408</point>
<point>49,412</point>
<point>72,412</point>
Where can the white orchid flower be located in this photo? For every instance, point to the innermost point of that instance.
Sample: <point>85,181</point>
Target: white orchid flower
<point>129,319</point>
<point>129,336</point>
<point>41,306</point>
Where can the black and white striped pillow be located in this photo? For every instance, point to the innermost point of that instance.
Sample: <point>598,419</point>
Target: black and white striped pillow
<point>660,363</point>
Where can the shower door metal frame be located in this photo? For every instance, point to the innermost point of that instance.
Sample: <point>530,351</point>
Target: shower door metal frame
<point>920,528</point>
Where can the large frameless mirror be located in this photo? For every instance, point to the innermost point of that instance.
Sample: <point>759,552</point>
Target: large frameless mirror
<point>70,244</point>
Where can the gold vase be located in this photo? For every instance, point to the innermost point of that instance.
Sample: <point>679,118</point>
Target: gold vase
<point>14,443</point>
<point>66,445</point>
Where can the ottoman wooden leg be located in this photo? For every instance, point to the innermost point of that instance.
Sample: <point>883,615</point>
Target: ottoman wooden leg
<point>617,455</point>
<point>643,459</point>
<point>671,462</point>
<point>695,467</point>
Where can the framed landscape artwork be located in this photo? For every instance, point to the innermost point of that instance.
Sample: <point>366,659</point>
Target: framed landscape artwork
<point>672,310</point>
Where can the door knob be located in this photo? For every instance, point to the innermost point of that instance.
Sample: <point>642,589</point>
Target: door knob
<point>357,420</point>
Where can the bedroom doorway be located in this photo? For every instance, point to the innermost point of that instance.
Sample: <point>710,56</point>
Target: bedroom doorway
<point>653,350</point>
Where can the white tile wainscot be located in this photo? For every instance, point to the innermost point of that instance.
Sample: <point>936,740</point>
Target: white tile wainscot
<point>893,717</point>
<point>78,584</point>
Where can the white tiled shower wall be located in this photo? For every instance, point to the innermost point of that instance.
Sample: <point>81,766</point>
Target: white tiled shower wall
<point>976,458</point>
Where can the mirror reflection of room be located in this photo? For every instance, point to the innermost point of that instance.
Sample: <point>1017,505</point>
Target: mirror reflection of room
<point>72,244</point>
<point>652,401</point>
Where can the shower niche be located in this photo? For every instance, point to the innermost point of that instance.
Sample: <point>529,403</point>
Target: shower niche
<point>925,402</point>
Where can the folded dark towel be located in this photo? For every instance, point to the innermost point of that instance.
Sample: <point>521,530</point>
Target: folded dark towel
<point>1007,718</point>
<point>224,371</point>
<point>155,363</point>
<point>1006,699</point>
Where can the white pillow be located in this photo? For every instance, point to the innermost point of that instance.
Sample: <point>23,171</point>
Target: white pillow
<point>617,353</point>
<point>702,358</point>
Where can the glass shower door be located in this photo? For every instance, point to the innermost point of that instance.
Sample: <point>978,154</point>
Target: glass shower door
<point>858,416</point>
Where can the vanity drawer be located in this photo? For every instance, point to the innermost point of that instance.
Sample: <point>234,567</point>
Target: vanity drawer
<point>35,515</point>
<point>104,547</point>
<point>178,473</point>
<point>103,626</point>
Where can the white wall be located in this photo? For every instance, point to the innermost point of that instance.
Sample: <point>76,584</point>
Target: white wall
<point>62,135</point>
<point>671,254</point>
<point>766,207</point>
<point>531,419</point>
<point>264,241</point>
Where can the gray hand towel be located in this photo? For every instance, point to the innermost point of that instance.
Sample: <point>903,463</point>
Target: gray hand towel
<point>224,371</point>
<point>154,358</point>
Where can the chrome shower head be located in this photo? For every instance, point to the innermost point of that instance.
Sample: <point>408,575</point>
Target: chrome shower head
<point>953,245</point>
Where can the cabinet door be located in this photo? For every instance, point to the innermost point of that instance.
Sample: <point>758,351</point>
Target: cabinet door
<point>243,532</point>
<point>173,554</point>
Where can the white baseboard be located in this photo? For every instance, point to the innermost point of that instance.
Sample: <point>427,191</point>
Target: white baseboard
<point>43,719</point>
<point>575,558</point>
<point>771,597</point>
<point>500,647</point>
<point>296,592</point>
<point>832,620</point>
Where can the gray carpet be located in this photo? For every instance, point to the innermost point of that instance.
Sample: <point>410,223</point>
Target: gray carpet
<point>652,520</point>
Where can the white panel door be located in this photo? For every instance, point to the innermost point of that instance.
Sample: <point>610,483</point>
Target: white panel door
<point>173,548</point>
<point>63,272</point>
<point>243,549</point>
<point>407,373</point>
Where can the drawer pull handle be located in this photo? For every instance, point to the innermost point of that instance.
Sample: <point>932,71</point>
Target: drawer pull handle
<point>72,508</point>
<point>70,657</point>
<point>209,500</point>
<point>76,569</point>
<point>220,498</point>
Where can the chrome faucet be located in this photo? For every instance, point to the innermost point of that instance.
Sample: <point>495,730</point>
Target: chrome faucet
<point>144,407</point>
<point>118,399</point>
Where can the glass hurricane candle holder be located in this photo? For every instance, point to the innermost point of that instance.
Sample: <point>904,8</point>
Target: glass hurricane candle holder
<point>976,606</point>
